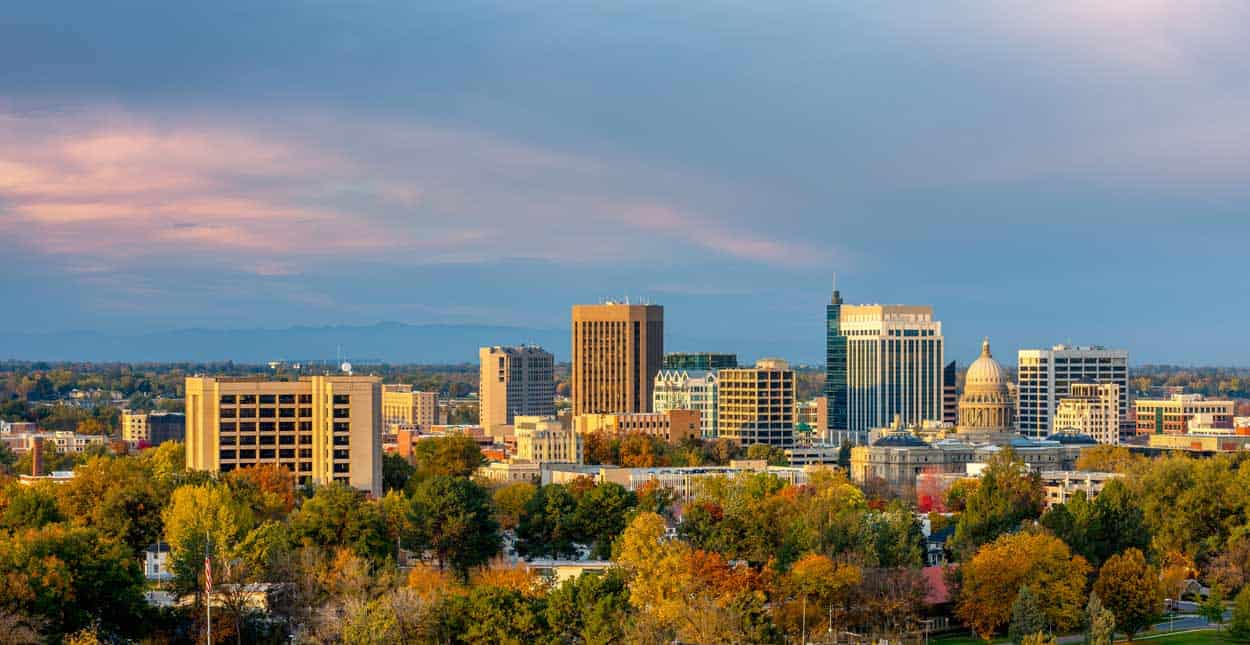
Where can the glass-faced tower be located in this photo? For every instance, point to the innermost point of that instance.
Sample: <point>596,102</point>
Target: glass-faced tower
<point>835,369</point>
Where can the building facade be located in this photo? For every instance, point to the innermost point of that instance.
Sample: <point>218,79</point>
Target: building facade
<point>672,426</point>
<point>323,429</point>
<point>700,361</point>
<point>950,394</point>
<point>836,431</point>
<point>894,361</point>
<point>152,428</point>
<point>679,389</point>
<point>756,405</point>
<point>617,351</point>
<point>402,405</point>
<point>985,409</point>
<point>1174,415</point>
<point>1046,375</point>
<point>547,440</point>
<point>515,381</point>
<point>1092,409</point>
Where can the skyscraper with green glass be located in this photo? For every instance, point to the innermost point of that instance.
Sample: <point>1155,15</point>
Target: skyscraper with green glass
<point>835,368</point>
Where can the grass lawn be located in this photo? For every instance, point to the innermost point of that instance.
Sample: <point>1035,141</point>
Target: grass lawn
<point>964,638</point>
<point>1204,637</point>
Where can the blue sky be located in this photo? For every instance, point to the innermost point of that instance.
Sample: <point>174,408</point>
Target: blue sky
<point>1075,172</point>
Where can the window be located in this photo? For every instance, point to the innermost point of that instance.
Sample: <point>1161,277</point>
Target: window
<point>247,399</point>
<point>228,426</point>
<point>226,454</point>
<point>286,453</point>
<point>228,398</point>
<point>268,398</point>
<point>342,427</point>
<point>247,440</point>
<point>286,426</point>
<point>342,399</point>
<point>305,398</point>
<point>286,440</point>
<point>266,440</point>
<point>266,426</point>
<point>342,454</point>
<point>247,426</point>
<point>247,413</point>
<point>266,453</point>
<point>286,398</point>
<point>286,413</point>
<point>340,440</point>
<point>305,412</point>
<point>305,453</point>
<point>342,413</point>
<point>266,412</point>
<point>228,413</point>
<point>305,426</point>
<point>305,467</point>
<point>247,454</point>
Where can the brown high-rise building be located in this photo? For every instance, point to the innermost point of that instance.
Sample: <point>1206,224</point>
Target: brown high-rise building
<point>617,351</point>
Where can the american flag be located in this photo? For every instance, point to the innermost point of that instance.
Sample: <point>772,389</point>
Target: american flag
<point>208,575</point>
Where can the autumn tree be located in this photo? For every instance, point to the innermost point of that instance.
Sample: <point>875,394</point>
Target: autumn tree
<point>1008,494</point>
<point>820,583</point>
<point>1027,617</point>
<point>1099,623</point>
<point>451,456</point>
<point>202,519</point>
<point>510,501</point>
<point>1129,587</point>
<point>338,515</point>
<point>28,507</point>
<point>992,578</point>
<point>1105,458</point>
<point>1239,626</point>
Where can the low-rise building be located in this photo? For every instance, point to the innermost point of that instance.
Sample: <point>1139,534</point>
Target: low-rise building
<point>17,427</point>
<point>508,472</point>
<point>1173,415</point>
<point>141,429</point>
<point>65,441</point>
<point>819,453</point>
<point>546,440</point>
<point>156,562</point>
<point>1091,409</point>
<point>672,426</point>
<point>683,481</point>
<point>1060,486</point>
<point>1203,442</point>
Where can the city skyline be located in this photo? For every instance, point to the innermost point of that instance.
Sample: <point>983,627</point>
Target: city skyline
<point>492,164</point>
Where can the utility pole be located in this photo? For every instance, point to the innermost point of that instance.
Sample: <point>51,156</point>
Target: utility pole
<point>208,590</point>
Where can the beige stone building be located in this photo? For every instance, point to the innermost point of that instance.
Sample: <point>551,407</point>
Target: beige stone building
<point>514,381</point>
<point>672,426</point>
<point>151,428</point>
<point>547,440</point>
<point>617,351</point>
<point>321,428</point>
<point>404,406</point>
<point>756,404</point>
<point>1092,409</point>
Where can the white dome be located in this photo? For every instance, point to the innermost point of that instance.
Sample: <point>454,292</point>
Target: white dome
<point>985,371</point>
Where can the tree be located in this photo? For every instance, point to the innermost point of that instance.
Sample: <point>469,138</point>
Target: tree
<point>396,471</point>
<point>28,507</point>
<point>196,514</point>
<point>454,521</point>
<point>1008,494</point>
<point>510,501</point>
<point>641,451</point>
<point>1027,617</point>
<point>451,456</point>
<point>992,578</point>
<point>1099,623</point>
<point>773,455</point>
<point>820,583</point>
<point>338,515</point>
<point>1212,608</point>
<point>548,526</point>
<point>590,609</point>
<point>268,488</point>
<point>601,516</point>
<point>1130,589</point>
<point>1107,459</point>
<point>1239,626</point>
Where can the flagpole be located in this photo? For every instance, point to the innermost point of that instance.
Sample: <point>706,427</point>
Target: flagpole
<point>208,590</point>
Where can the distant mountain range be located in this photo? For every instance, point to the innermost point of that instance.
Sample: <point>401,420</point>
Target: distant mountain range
<point>382,342</point>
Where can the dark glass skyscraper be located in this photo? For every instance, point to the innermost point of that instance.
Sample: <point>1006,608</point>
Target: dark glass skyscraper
<point>835,367</point>
<point>699,361</point>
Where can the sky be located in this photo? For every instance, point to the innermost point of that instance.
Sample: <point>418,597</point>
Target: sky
<point>1066,172</point>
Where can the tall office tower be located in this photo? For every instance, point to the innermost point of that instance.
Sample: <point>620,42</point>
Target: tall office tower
<point>402,405</point>
<point>1091,409</point>
<point>702,361</point>
<point>894,360</point>
<point>835,372</point>
<point>1044,377</point>
<point>757,404</point>
<point>515,380</point>
<point>950,394</point>
<point>617,351</point>
<point>678,389</point>
<point>321,428</point>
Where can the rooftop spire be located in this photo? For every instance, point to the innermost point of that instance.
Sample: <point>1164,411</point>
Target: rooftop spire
<point>985,347</point>
<point>837,297</point>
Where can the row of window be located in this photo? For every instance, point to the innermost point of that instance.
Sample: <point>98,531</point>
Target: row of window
<point>280,426</point>
<point>252,399</point>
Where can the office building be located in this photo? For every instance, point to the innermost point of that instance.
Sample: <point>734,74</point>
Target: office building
<point>1092,409</point>
<point>679,389</point>
<point>756,404</point>
<point>515,381</point>
<point>950,394</point>
<point>617,351</point>
<point>546,440</point>
<point>141,429</point>
<point>811,420</point>
<point>892,364</point>
<point>700,361</point>
<point>1046,375</point>
<point>404,406</point>
<point>1175,415</point>
<point>837,430</point>
<point>672,426</point>
<point>321,428</point>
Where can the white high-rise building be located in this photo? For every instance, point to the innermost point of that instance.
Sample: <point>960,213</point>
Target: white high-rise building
<point>894,361</point>
<point>688,390</point>
<point>1046,375</point>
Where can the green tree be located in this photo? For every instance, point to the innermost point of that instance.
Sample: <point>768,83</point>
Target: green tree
<point>1212,608</point>
<point>1008,494</point>
<point>1130,589</point>
<point>453,456</point>
<point>1099,623</point>
<point>199,519</point>
<point>1239,626</point>
<point>454,520</point>
<point>590,609</point>
<point>1027,617</point>
<point>490,614</point>
<point>510,501</point>
<point>339,516</point>
<point>548,526</point>
<point>396,471</point>
<point>117,496</point>
<point>602,513</point>
<point>772,454</point>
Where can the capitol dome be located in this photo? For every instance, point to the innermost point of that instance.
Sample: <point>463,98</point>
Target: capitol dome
<point>985,371</point>
<point>985,407</point>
